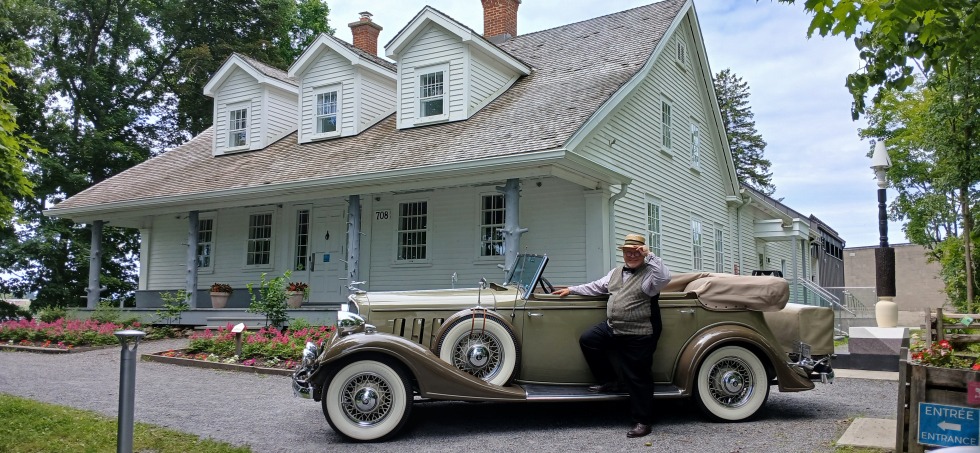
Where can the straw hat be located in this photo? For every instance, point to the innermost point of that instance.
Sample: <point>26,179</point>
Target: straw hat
<point>633,241</point>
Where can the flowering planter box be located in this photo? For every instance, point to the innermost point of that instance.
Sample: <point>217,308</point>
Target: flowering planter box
<point>943,396</point>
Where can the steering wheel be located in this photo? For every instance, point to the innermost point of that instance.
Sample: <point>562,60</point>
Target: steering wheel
<point>546,285</point>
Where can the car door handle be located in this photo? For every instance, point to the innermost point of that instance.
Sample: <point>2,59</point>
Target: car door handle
<point>535,315</point>
<point>687,311</point>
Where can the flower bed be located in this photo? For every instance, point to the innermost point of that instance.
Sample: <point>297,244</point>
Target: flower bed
<point>265,348</point>
<point>71,333</point>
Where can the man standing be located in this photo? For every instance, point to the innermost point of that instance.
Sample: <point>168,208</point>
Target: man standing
<point>631,330</point>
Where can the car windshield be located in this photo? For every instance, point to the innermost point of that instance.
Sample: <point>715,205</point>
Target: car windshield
<point>527,270</point>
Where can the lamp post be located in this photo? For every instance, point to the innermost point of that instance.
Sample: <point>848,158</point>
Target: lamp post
<point>886,312</point>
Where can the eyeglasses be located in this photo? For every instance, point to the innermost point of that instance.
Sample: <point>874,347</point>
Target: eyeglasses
<point>632,253</point>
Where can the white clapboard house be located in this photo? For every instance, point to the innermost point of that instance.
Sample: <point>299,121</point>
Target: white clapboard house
<point>434,166</point>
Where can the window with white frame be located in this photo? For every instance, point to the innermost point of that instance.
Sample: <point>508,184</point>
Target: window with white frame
<point>696,244</point>
<point>259,244</point>
<point>432,93</point>
<point>205,243</point>
<point>412,230</point>
<point>492,215</point>
<point>238,127</point>
<point>326,109</point>
<point>719,248</point>
<point>654,226</point>
<point>302,252</point>
<point>695,146</point>
<point>665,109</point>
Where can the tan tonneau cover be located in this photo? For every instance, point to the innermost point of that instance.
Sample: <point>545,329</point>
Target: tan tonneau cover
<point>717,291</point>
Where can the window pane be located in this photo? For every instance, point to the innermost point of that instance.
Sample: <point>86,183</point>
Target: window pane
<point>431,94</point>
<point>300,261</point>
<point>492,219</point>
<point>412,218</point>
<point>326,112</point>
<point>205,233</point>
<point>237,126</point>
<point>259,249</point>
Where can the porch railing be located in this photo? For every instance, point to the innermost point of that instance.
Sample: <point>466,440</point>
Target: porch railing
<point>853,306</point>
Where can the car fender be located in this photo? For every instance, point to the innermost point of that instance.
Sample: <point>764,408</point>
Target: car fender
<point>714,337</point>
<point>433,377</point>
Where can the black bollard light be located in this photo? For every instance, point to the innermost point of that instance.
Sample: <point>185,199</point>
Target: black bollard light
<point>130,340</point>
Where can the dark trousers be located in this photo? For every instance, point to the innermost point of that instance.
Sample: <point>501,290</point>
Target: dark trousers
<point>635,358</point>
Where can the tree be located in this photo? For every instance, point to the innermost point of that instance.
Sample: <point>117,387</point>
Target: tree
<point>940,38</point>
<point>747,146</point>
<point>15,152</point>
<point>110,83</point>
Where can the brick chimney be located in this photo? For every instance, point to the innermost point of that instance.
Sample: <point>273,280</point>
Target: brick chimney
<point>365,33</point>
<point>500,19</point>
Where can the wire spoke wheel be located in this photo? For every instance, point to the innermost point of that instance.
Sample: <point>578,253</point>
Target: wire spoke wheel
<point>366,399</point>
<point>731,384</point>
<point>478,354</point>
<point>482,345</point>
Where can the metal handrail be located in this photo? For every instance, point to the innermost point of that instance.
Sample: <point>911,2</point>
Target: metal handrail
<point>823,294</point>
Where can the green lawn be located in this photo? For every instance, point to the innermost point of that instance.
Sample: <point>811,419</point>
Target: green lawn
<point>31,426</point>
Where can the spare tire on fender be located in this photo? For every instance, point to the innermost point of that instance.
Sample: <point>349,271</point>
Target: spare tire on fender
<point>481,343</point>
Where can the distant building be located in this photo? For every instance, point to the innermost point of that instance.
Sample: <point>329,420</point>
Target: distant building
<point>917,282</point>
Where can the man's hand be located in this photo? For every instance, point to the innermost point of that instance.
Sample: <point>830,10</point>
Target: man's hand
<point>561,292</point>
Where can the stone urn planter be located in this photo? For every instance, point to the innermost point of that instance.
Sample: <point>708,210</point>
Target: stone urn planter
<point>220,292</point>
<point>294,299</point>
<point>219,300</point>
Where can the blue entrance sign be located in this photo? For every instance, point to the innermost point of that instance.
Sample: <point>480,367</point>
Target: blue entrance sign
<point>948,426</point>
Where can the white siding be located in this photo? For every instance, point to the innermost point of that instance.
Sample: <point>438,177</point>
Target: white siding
<point>239,87</point>
<point>486,80</point>
<point>377,99</point>
<point>433,46</point>
<point>633,128</point>
<point>329,69</point>
<point>280,115</point>
<point>554,214</point>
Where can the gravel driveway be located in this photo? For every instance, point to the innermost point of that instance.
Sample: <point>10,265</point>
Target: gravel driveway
<point>260,411</point>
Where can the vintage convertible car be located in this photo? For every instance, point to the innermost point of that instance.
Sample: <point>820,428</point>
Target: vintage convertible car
<point>726,340</point>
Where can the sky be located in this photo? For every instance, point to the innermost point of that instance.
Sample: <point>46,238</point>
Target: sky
<point>802,109</point>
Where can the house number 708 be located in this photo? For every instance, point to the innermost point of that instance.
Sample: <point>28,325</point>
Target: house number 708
<point>381,215</point>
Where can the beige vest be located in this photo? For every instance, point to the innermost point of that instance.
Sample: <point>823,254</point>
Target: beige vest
<point>628,309</point>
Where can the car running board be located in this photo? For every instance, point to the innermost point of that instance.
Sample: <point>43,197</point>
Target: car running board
<point>538,392</point>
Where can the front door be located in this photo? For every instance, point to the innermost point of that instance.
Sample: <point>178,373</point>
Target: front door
<point>319,245</point>
<point>328,272</point>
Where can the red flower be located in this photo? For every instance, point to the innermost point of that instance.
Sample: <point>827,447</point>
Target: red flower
<point>945,344</point>
<point>976,367</point>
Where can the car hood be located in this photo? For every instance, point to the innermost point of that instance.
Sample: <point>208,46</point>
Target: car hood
<point>440,299</point>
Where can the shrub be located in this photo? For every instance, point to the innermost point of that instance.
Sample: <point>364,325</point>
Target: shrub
<point>270,299</point>
<point>173,305</point>
<point>52,314</point>
<point>106,312</point>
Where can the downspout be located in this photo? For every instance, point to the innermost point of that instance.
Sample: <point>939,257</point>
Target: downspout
<point>612,222</point>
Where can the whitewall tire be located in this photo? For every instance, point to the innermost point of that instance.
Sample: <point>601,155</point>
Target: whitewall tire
<point>482,346</point>
<point>368,400</point>
<point>731,384</point>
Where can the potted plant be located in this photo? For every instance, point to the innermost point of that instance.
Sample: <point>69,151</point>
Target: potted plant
<point>220,292</point>
<point>296,293</point>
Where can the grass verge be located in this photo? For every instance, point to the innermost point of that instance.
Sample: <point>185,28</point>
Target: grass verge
<point>32,426</point>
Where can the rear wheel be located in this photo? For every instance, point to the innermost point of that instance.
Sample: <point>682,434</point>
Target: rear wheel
<point>482,346</point>
<point>368,400</point>
<point>731,384</point>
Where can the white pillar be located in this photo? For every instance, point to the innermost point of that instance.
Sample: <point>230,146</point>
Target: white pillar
<point>190,284</point>
<point>353,238</point>
<point>94,266</point>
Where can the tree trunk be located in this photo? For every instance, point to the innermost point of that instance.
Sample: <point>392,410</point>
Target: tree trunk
<point>967,246</point>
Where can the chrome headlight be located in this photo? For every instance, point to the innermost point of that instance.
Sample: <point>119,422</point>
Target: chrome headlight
<point>348,323</point>
<point>310,354</point>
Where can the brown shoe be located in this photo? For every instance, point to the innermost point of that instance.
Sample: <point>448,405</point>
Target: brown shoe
<point>639,430</point>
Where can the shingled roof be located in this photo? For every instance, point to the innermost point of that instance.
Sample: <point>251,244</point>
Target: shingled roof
<point>576,69</point>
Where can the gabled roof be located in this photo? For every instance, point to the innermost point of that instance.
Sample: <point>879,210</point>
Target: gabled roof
<point>357,57</point>
<point>261,72</point>
<point>578,67</point>
<point>431,15</point>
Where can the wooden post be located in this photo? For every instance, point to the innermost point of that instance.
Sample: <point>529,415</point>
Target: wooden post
<point>353,238</point>
<point>940,327</point>
<point>94,266</point>
<point>902,419</point>
<point>512,230</point>
<point>190,284</point>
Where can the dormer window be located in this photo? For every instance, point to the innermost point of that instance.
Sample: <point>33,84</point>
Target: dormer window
<point>327,111</point>
<point>238,127</point>
<point>432,93</point>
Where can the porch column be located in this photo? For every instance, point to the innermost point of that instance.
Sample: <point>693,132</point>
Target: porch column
<point>353,238</point>
<point>190,285</point>
<point>596,234</point>
<point>94,266</point>
<point>511,231</point>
